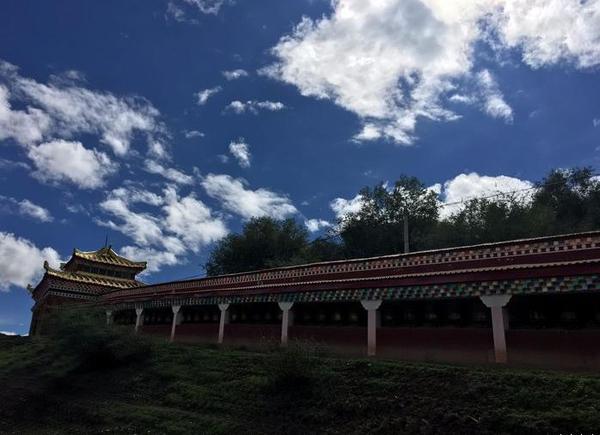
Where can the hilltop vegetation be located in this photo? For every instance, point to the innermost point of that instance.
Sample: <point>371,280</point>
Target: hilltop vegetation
<point>565,201</point>
<point>99,381</point>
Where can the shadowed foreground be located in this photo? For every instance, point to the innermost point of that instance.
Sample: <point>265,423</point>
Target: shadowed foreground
<point>128,385</point>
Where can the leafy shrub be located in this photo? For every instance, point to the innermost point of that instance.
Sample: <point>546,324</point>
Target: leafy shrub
<point>292,369</point>
<point>82,334</point>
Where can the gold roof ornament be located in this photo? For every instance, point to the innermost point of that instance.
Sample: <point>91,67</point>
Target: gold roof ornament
<point>107,255</point>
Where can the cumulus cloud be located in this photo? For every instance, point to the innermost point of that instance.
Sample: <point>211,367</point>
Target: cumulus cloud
<point>465,187</point>
<point>25,208</point>
<point>254,106</point>
<point>191,220</point>
<point>24,126</point>
<point>203,96</point>
<point>393,62</point>
<point>314,225</point>
<point>493,100</point>
<point>35,211</point>
<point>170,174</point>
<point>241,151</point>
<point>62,110</point>
<point>207,6</point>
<point>163,236</point>
<point>8,333</point>
<point>67,161</point>
<point>21,261</point>
<point>342,207</point>
<point>156,259</point>
<point>551,31</point>
<point>237,198</point>
<point>190,134</point>
<point>235,74</point>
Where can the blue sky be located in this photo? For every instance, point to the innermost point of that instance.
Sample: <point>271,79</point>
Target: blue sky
<point>164,125</point>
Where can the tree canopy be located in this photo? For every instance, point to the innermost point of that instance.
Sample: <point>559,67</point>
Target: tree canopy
<point>265,242</point>
<point>565,201</point>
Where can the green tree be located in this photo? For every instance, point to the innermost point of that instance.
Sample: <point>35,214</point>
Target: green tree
<point>265,242</point>
<point>566,201</point>
<point>378,227</point>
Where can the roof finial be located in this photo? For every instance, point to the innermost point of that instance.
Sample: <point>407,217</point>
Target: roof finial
<point>106,241</point>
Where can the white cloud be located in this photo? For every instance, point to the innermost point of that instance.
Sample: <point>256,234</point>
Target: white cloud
<point>392,62</point>
<point>8,333</point>
<point>191,220</point>
<point>235,74</point>
<point>12,164</point>
<point>142,228</point>
<point>158,150</point>
<point>168,173</point>
<point>464,99</point>
<point>35,211</point>
<point>551,31</point>
<point>207,6</point>
<point>241,151</point>
<point>134,195</point>
<point>236,106</point>
<point>314,225</point>
<point>156,259</point>
<point>24,126</point>
<point>190,134</point>
<point>164,236</point>
<point>596,122</point>
<point>247,203</point>
<point>64,161</point>
<point>493,100</point>
<point>203,96</point>
<point>342,207</point>
<point>21,261</point>
<point>254,106</point>
<point>62,110</point>
<point>25,208</point>
<point>464,187</point>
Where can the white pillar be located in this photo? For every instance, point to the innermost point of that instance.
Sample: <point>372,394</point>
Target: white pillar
<point>176,320</point>
<point>223,320</point>
<point>108,317</point>
<point>138,319</point>
<point>287,320</point>
<point>372,323</point>
<point>499,323</point>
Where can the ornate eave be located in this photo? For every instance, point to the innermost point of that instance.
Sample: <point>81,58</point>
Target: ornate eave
<point>94,279</point>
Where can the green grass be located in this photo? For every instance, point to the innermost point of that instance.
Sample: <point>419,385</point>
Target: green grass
<point>202,389</point>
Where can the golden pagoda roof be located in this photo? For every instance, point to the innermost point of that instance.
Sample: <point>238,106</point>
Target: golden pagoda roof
<point>91,278</point>
<point>106,255</point>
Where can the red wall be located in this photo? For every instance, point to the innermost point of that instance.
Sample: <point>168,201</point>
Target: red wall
<point>554,348</point>
<point>436,344</point>
<point>197,332</point>
<point>157,330</point>
<point>242,333</point>
<point>540,348</point>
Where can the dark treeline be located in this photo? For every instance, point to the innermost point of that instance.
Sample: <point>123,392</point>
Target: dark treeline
<point>565,201</point>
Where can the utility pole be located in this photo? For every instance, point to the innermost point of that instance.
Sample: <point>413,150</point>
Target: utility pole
<point>406,246</point>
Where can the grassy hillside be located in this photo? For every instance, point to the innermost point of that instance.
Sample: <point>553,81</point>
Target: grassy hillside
<point>119,384</point>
